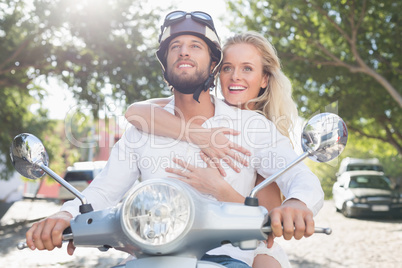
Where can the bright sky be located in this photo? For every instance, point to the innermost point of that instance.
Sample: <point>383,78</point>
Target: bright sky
<point>60,100</point>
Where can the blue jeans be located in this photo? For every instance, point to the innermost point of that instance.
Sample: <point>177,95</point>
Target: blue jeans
<point>224,260</point>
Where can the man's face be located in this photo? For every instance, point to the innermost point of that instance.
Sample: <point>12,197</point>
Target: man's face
<point>188,61</point>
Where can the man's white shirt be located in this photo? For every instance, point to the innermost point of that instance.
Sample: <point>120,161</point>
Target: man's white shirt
<point>139,154</point>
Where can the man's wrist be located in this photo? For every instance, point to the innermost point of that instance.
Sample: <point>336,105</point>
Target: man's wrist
<point>293,200</point>
<point>196,135</point>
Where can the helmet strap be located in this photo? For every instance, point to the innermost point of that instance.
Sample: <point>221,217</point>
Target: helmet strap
<point>203,87</point>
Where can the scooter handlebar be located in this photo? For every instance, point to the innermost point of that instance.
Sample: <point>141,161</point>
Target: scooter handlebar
<point>66,238</point>
<point>317,230</point>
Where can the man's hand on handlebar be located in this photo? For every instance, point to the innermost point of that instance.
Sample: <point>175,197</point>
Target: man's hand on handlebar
<point>47,233</point>
<point>291,219</point>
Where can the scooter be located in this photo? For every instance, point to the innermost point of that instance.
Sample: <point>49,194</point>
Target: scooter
<point>167,223</point>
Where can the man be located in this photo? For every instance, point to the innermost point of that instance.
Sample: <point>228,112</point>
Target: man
<point>190,55</point>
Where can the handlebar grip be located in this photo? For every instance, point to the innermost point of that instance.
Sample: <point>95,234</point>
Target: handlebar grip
<point>317,230</point>
<point>22,245</point>
<point>267,229</point>
<point>67,236</point>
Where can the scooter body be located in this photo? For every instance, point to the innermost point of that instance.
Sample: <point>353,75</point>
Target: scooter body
<point>167,223</point>
<point>169,261</point>
<point>209,225</point>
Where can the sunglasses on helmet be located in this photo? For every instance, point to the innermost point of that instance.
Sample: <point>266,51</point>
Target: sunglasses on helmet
<point>177,16</point>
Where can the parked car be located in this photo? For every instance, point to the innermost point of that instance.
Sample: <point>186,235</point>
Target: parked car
<point>80,175</point>
<point>366,193</point>
<point>350,164</point>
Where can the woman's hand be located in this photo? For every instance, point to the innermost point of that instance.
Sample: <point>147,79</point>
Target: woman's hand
<point>206,180</point>
<point>214,144</point>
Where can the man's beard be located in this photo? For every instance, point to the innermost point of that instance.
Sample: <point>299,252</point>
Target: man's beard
<point>187,84</point>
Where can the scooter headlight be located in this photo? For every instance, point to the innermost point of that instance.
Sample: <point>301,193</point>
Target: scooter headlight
<point>156,213</point>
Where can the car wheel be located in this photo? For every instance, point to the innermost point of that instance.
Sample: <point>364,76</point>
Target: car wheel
<point>337,209</point>
<point>346,211</point>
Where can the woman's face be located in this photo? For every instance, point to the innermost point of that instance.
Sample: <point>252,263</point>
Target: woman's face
<point>241,75</point>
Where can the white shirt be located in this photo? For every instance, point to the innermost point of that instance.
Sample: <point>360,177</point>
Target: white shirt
<point>140,154</point>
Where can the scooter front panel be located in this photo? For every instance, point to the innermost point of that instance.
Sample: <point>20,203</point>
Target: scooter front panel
<point>169,262</point>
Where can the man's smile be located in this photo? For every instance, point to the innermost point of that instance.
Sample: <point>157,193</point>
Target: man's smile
<point>184,64</point>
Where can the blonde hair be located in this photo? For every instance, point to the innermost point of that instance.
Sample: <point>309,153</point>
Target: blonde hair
<point>275,101</point>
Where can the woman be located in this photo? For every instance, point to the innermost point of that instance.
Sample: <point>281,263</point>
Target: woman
<point>250,78</point>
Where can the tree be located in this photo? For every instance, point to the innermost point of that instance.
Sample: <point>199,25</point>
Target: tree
<point>116,51</point>
<point>98,49</point>
<point>337,51</point>
<point>15,118</point>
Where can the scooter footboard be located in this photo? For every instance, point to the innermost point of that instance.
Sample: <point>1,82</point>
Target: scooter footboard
<point>169,262</point>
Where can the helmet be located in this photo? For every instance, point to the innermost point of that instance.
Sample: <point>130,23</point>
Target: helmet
<point>196,23</point>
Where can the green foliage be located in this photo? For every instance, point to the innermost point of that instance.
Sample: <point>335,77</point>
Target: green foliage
<point>99,49</point>
<point>79,136</point>
<point>346,52</point>
<point>342,52</point>
<point>16,119</point>
<point>111,47</point>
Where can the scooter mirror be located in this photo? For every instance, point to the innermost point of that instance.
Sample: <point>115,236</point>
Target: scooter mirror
<point>324,137</point>
<point>30,159</point>
<point>27,155</point>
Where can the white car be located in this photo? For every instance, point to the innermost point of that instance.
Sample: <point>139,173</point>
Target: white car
<point>80,175</point>
<point>350,164</point>
<point>366,193</point>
